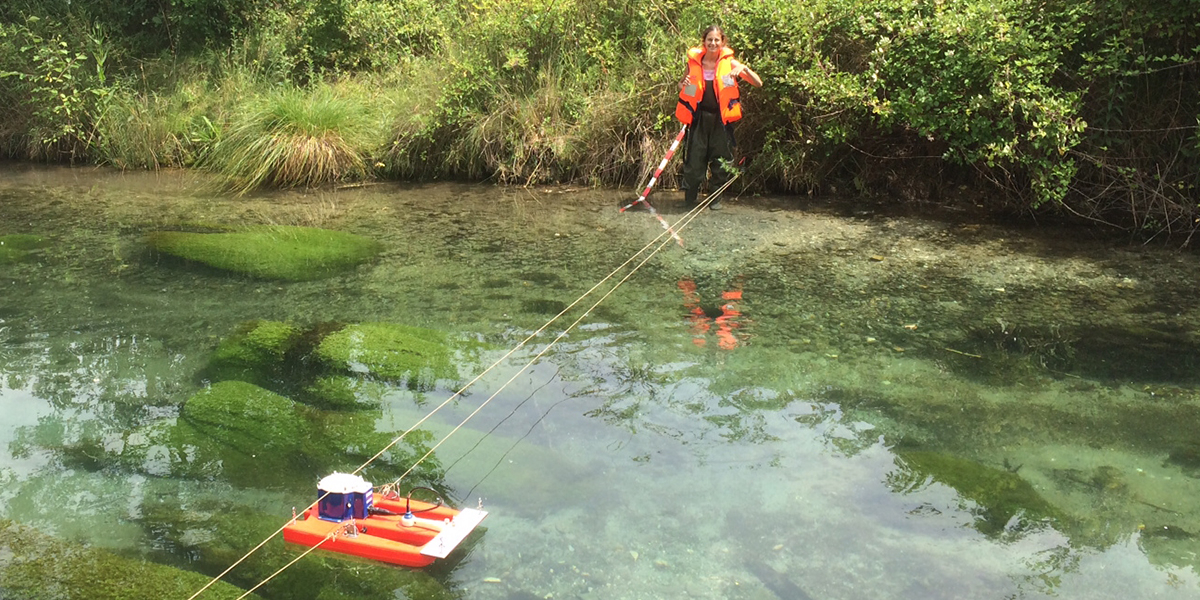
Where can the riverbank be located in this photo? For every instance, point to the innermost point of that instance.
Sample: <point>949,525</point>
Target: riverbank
<point>1063,111</point>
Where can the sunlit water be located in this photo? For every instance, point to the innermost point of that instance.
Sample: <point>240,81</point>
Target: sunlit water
<point>728,424</point>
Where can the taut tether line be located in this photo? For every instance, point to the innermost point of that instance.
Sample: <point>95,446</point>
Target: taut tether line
<point>668,234</point>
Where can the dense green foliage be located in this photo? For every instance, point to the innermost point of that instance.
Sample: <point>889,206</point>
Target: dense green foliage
<point>1091,107</point>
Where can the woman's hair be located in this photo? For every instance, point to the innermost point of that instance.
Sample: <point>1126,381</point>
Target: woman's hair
<point>712,28</point>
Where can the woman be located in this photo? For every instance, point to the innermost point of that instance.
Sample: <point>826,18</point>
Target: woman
<point>709,105</point>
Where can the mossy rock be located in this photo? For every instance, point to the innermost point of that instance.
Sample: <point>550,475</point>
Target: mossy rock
<point>252,437</point>
<point>391,352</point>
<point>345,438</point>
<point>35,566</point>
<point>999,494</point>
<point>17,246</point>
<point>254,353</point>
<point>341,392</point>
<point>244,416</point>
<point>270,251</point>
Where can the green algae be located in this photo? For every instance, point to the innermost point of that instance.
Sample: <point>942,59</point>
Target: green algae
<point>270,251</point>
<point>254,353</point>
<point>389,351</point>
<point>34,566</point>
<point>333,366</point>
<point>16,247</point>
<point>999,495</point>
<point>253,437</point>
<point>343,392</point>
<point>243,415</point>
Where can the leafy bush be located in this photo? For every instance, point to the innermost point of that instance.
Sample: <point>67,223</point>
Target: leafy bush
<point>53,76</point>
<point>1091,108</point>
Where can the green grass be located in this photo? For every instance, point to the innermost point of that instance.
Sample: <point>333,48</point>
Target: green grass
<point>296,138</point>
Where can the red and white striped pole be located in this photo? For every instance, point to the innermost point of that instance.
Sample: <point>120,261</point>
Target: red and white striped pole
<point>654,179</point>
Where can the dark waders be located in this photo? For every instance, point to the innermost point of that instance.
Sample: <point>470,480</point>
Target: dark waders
<point>708,141</point>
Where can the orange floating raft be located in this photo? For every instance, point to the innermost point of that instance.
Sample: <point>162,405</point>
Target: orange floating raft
<point>349,518</point>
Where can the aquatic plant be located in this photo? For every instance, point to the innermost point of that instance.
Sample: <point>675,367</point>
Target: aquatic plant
<point>270,251</point>
<point>38,566</point>
<point>295,138</point>
<point>998,495</point>
<point>254,353</point>
<point>412,355</point>
<point>244,416</point>
<point>17,246</point>
<point>344,392</point>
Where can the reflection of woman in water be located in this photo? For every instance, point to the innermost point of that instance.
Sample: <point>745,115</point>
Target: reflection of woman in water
<point>726,322</point>
<point>709,105</point>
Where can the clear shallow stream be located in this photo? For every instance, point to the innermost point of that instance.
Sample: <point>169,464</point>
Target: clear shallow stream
<point>804,402</point>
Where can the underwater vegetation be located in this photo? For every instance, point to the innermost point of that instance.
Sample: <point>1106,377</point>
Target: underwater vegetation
<point>270,251</point>
<point>254,353</point>
<point>334,365</point>
<point>18,246</point>
<point>999,495</point>
<point>389,351</point>
<point>35,566</point>
<point>253,437</point>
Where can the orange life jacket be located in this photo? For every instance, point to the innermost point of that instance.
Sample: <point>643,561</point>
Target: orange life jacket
<point>727,89</point>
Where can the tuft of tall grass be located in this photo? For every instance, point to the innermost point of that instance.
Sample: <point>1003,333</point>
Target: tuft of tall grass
<point>295,138</point>
<point>151,130</point>
<point>524,138</point>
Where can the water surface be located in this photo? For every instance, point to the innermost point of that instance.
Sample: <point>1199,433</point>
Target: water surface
<point>800,402</point>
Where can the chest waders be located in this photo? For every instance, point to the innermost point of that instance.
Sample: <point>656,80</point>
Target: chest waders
<point>709,146</point>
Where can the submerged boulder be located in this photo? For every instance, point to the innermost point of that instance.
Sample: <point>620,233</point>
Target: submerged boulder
<point>252,437</point>
<point>254,353</point>
<point>34,566</point>
<point>270,251</point>
<point>387,351</point>
<point>244,416</point>
<point>999,495</point>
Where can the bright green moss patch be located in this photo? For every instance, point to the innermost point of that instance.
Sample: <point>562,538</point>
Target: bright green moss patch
<point>389,351</point>
<point>345,392</point>
<point>243,415</point>
<point>999,495</point>
<point>15,247</point>
<point>254,353</point>
<point>34,566</point>
<point>270,252</point>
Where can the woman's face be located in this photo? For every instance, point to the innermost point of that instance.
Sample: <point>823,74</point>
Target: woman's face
<point>714,41</point>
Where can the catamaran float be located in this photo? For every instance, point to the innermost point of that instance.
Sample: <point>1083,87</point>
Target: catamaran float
<point>351,519</point>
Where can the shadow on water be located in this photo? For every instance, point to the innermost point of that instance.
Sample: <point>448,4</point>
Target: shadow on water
<point>1006,354</point>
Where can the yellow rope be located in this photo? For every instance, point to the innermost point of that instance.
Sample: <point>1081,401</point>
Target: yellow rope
<point>681,224</point>
<point>329,536</point>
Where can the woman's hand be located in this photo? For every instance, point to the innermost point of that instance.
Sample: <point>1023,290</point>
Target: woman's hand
<point>740,70</point>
